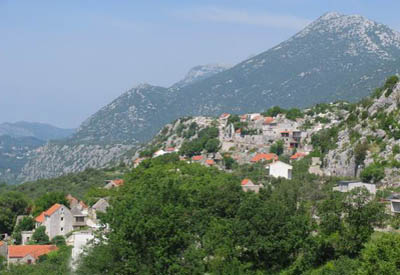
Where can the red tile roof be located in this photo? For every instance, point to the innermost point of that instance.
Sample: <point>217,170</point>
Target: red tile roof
<point>71,199</point>
<point>225,115</point>
<point>84,205</point>
<point>40,218</point>
<point>263,156</point>
<point>256,118</point>
<point>197,158</point>
<point>245,181</point>
<point>20,251</point>
<point>48,212</point>
<point>210,162</point>
<point>298,155</point>
<point>118,182</point>
<point>268,120</point>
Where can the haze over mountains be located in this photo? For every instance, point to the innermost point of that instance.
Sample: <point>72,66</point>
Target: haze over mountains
<point>40,131</point>
<point>337,57</point>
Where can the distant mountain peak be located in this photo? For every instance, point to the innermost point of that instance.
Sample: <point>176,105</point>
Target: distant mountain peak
<point>330,15</point>
<point>200,72</point>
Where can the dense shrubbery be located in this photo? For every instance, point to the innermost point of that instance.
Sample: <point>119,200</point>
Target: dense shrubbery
<point>373,173</point>
<point>176,218</point>
<point>325,140</point>
<point>291,114</point>
<point>207,140</point>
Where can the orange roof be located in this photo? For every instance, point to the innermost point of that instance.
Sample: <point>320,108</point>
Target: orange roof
<point>83,204</point>
<point>1,243</point>
<point>48,212</point>
<point>225,115</point>
<point>268,120</point>
<point>71,198</point>
<point>245,181</point>
<point>138,160</point>
<point>210,162</point>
<point>263,156</point>
<point>118,182</point>
<point>298,155</point>
<point>170,149</point>
<point>20,251</point>
<point>197,157</point>
<point>40,218</point>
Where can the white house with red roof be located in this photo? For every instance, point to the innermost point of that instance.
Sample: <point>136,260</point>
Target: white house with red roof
<point>58,220</point>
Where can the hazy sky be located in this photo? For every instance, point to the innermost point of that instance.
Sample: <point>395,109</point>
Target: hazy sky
<point>60,61</point>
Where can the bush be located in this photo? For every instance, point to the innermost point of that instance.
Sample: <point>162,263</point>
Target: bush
<point>373,173</point>
<point>277,148</point>
<point>40,236</point>
<point>59,241</point>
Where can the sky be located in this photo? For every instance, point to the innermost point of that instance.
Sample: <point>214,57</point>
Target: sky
<point>61,61</point>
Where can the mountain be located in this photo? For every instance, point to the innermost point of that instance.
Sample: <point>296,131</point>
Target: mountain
<point>14,154</point>
<point>40,131</point>
<point>198,73</point>
<point>337,57</point>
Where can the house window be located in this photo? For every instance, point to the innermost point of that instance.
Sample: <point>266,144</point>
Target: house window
<point>62,229</point>
<point>79,219</point>
<point>62,218</point>
<point>29,261</point>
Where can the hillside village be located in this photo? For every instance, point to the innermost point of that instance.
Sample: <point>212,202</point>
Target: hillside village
<point>274,136</point>
<point>76,222</point>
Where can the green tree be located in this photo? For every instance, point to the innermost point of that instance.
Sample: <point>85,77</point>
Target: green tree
<point>360,152</point>
<point>12,204</point>
<point>381,255</point>
<point>47,200</point>
<point>373,173</point>
<point>277,148</point>
<point>26,224</point>
<point>59,241</point>
<point>212,145</point>
<point>40,236</point>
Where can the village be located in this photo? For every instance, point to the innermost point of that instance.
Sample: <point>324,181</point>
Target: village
<point>76,223</point>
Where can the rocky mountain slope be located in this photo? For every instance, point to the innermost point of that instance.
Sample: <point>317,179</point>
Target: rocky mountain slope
<point>18,142</point>
<point>336,57</point>
<point>198,73</point>
<point>368,140</point>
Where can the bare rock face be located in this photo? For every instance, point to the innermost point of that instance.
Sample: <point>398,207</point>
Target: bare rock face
<point>340,162</point>
<point>378,130</point>
<point>53,160</point>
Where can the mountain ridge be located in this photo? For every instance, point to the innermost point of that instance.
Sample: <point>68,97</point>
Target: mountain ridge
<point>331,59</point>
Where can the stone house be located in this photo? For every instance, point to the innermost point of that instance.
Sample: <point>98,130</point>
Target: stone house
<point>58,220</point>
<point>394,203</point>
<point>346,186</point>
<point>3,249</point>
<point>280,169</point>
<point>114,183</point>
<point>248,185</point>
<point>27,254</point>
